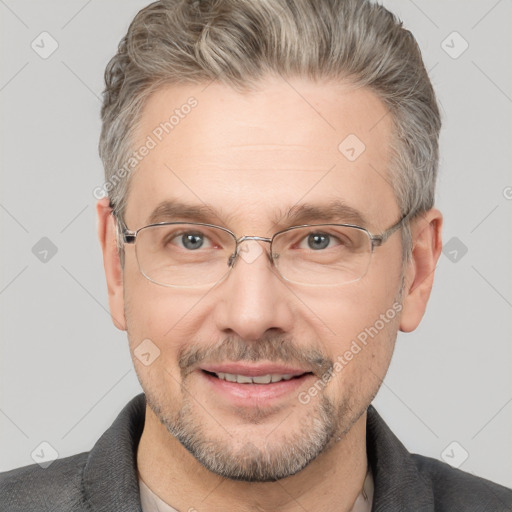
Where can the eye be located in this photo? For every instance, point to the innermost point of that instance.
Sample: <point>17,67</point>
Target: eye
<point>191,240</point>
<point>318,241</point>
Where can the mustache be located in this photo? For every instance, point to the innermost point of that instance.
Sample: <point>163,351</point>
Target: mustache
<point>271,347</point>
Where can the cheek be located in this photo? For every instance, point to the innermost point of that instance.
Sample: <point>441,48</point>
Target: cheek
<point>160,321</point>
<point>360,327</point>
<point>340,314</point>
<point>168,317</point>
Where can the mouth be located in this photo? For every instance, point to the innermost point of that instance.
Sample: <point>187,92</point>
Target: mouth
<point>246,385</point>
<point>269,378</point>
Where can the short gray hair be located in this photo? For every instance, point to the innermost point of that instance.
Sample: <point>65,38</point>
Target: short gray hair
<point>238,42</point>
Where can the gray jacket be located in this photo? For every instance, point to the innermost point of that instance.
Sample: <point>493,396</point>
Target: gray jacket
<point>105,479</point>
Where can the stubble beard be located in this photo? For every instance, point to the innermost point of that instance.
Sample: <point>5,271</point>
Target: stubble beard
<point>275,457</point>
<point>322,423</point>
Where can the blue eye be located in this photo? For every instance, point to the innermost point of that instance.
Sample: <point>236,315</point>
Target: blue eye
<point>187,240</point>
<point>317,241</point>
<point>192,241</point>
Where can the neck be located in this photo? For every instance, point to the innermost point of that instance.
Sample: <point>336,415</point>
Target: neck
<point>331,482</point>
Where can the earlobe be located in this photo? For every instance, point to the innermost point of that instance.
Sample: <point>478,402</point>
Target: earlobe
<point>111,262</point>
<point>419,275</point>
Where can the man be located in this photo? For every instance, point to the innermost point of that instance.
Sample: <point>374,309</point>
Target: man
<point>269,228</point>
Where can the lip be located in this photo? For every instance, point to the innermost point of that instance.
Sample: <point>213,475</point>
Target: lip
<point>252,370</point>
<point>254,395</point>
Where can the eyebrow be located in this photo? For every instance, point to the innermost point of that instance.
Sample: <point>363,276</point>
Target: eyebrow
<point>175,210</point>
<point>335,211</point>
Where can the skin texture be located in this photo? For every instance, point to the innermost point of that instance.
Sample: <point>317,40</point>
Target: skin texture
<point>250,157</point>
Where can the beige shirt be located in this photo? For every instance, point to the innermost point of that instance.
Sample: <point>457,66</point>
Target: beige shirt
<point>152,503</point>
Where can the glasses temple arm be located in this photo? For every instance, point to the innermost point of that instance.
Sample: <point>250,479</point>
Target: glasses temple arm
<point>378,240</point>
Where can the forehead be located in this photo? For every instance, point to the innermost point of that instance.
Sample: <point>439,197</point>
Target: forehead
<point>252,155</point>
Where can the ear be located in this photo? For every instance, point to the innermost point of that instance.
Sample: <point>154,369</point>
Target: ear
<point>111,262</point>
<point>419,274</point>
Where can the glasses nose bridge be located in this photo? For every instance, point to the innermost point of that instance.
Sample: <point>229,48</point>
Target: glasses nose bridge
<point>250,237</point>
<point>247,238</point>
<point>243,239</point>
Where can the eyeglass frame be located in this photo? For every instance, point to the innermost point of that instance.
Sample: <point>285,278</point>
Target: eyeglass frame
<point>130,237</point>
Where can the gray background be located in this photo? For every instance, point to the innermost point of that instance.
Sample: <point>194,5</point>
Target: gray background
<point>65,370</point>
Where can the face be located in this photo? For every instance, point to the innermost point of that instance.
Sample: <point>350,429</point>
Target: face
<point>249,162</point>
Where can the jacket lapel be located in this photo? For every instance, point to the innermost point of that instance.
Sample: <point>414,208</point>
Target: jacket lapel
<point>398,485</point>
<point>110,480</point>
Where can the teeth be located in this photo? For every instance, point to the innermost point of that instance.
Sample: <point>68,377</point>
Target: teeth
<point>260,379</point>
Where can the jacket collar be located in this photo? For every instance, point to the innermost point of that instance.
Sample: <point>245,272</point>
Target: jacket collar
<point>398,485</point>
<point>110,478</point>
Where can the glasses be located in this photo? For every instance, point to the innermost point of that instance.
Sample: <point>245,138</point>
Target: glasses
<point>187,255</point>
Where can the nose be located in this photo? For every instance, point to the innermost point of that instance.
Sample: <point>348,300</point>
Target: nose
<point>253,299</point>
